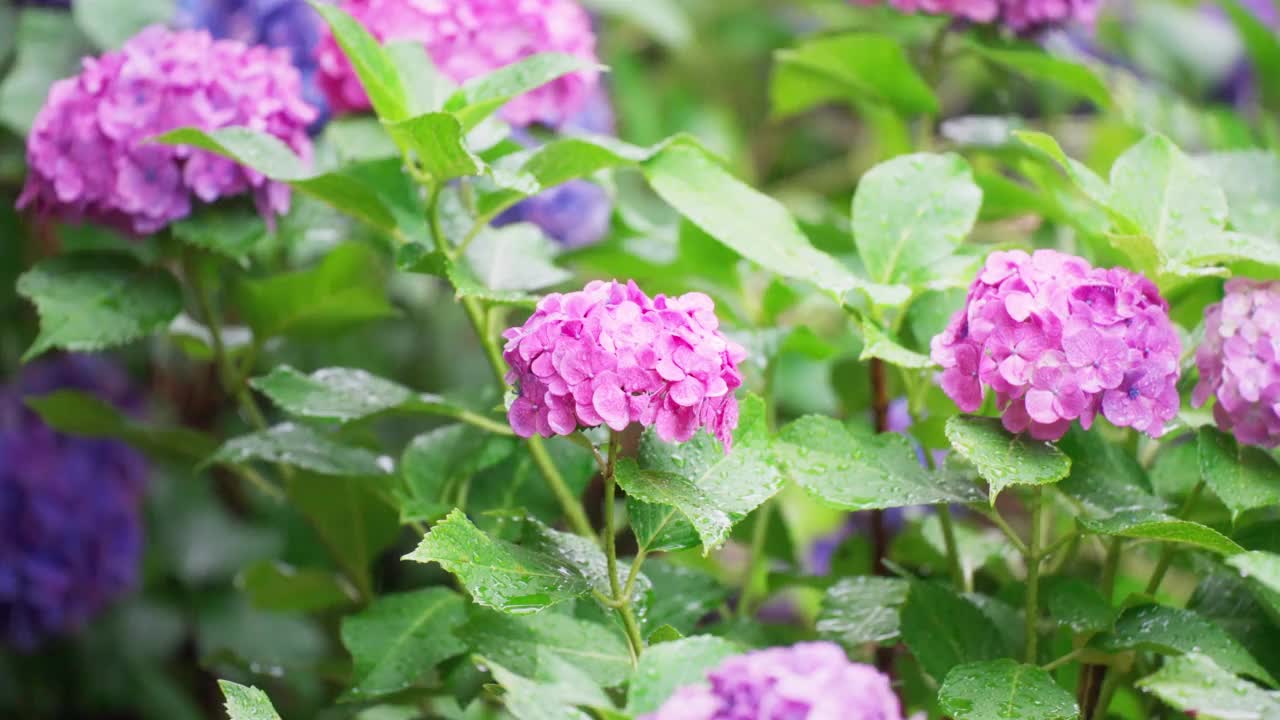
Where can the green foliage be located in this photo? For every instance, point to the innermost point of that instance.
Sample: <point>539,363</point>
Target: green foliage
<point>523,644</point>
<point>400,638</point>
<point>1195,684</point>
<point>1175,631</point>
<point>1004,459</point>
<point>854,68</point>
<point>1244,477</point>
<point>47,47</point>
<point>301,447</point>
<point>859,610</point>
<point>79,413</point>
<point>670,665</point>
<point>1147,525</point>
<point>943,630</point>
<point>246,703</point>
<point>1001,689</point>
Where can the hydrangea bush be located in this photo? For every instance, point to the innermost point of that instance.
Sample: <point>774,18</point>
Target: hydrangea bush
<point>529,359</point>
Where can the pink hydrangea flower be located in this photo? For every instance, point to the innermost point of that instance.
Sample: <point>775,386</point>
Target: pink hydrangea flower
<point>610,355</point>
<point>88,155</point>
<point>807,680</point>
<point>1059,341</point>
<point>468,38</point>
<point>1018,15</point>
<point>1239,361</point>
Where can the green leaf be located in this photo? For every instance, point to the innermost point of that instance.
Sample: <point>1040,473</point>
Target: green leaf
<point>48,48</point>
<point>1005,459</point>
<point>1174,631</point>
<point>666,20</point>
<point>1251,181</point>
<point>1145,525</point>
<point>438,465</point>
<point>587,558</point>
<point>1263,46</point>
<point>750,223</point>
<point>381,81</point>
<point>231,233</point>
<point>502,263</point>
<point>1105,477</point>
<point>1262,571</point>
<point>438,142</point>
<point>345,395</point>
<point>732,483</point>
<point>109,23</point>
<point>876,343</point>
<point>860,610</point>
<point>426,87</point>
<point>1196,685</point>
<point>976,547</point>
<point>498,574</point>
<point>851,469</point>
<point>399,639</point>
<point>1002,689</point>
<point>663,488</point>
<point>911,212</point>
<point>351,518</point>
<point>91,301</point>
<point>681,597</point>
<point>1244,477</point>
<point>555,695</point>
<point>598,651</point>
<point>668,666</point>
<point>344,290</point>
<point>481,96</point>
<point>79,413</point>
<point>301,447</point>
<point>944,630</point>
<point>1037,65</point>
<point>246,703</point>
<point>275,586</point>
<point>852,68</point>
<point>344,189</point>
<point>1078,604</point>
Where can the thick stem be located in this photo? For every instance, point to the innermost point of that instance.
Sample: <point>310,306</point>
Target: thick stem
<point>1166,553</point>
<point>620,601</point>
<point>1033,577</point>
<point>953,550</point>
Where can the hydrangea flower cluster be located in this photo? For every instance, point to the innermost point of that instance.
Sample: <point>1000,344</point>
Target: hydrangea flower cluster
<point>88,154</point>
<point>468,38</point>
<point>289,24</point>
<point>1239,361</point>
<point>575,214</point>
<point>610,355</point>
<point>70,508</point>
<point>806,680</point>
<point>1019,15</point>
<point>1059,340</point>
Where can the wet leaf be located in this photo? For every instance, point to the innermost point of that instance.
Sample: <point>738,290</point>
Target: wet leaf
<point>1002,690</point>
<point>944,630</point>
<point>859,610</point>
<point>1146,525</point>
<point>1244,477</point>
<point>301,447</point>
<point>1196,685</point>
<point>670,665</point>
<point>400,638</point>
<point>1005,459</point>
<point>1174,631</point>
<point>598,651</point>
<point>246,703</point>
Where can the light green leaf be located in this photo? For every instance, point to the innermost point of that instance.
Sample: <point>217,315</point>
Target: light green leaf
<point>598,651</point>
<point>48,48</point>
<point>1174,631</point>
<point>1244,477</point>
<point>1105,477</point>
<point>79,413</point>
<point>230,233</point>
<point>860,610</point>
<point>345,289</point>
<point>91,301</point>
<point>503,263</point>
<point>437,141</point>
<point>1005,459</point>
<point>381,81</point>
<point>555,695</point>
<point>876,343</point>
<point>400,638</point>
<point>109,23</point>
<point>858,470</point>
<point>1195,684</point>
<point>275,586</point>
<point>851,68</point>
<point>670,665</point>
<point>911,212</point>
<point>666,20</point>
<point>345,394</point>
<point>1251,181</point>
<point>481,96</point>
<point>1262,571</point>
<point>426,88</point>
<point>1089,182</point>
<point>351,518</point>
<point>498,574</point>
<point>943,630</point>
<point>301,447</point>
<point>1078,604</point>
<point>1037,65</point>
<point>651,486</point>
<point>246,703</point>
<point>1146,525</point>
<point>1002,689</point>
<point>438,464</point>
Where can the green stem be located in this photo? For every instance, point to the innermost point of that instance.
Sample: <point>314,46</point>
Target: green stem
<point>621,601</point>
<point>1109,686</point>
<point>953,551</point>
<point>757,565</point>
<point>999,521</point>
<point>1166,553</point>
<point>1110,566</point>
<point>1033,576</point>
<point>484,423</point>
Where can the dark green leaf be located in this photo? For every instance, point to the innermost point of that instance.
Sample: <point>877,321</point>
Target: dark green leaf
<point>497,573</point>
<point>301,447</point>
<point>381,81</point>
<point>480,96</point>
<point>1005,459</point>
<point>91,301</point>
<point>234,234</point>
<point>438,464</point>
<point>663,488</point>
<point>556,694</point>
<point>400,637</point>
<point>851,68</point>
<point>1077,604</point>
<point>860,610</point>
<point>1244,477</point>
<point>1145,525</point>
<point>1038,66</point>
<point>345,394</point>
<point>1105,477</point>
<point>1262,571</point>
<point>585,556</point>
<point>944,630</point>
<point>598,651</point>
<point>352,519</point>
<point>681,596</point>
<point>276,586</point>
<point>668,666</point>
<point>246,703</point>
<point>78,413</point>
<point>1174,631</point>
<point>1196,685</point>
<point>1004,689</point>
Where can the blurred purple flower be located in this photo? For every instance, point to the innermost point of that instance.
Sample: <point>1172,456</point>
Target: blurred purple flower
<point>1239,361</point>
<point>70,508</point>
<point>806,681</point>
<point>1019,15</point>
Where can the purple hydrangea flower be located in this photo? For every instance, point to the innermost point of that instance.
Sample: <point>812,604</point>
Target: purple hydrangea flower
<point>468,38</point>
<point>70,508</point>
<point>610,355</point>
<point>289,24</point>
<point>806,681</point>
<point>1019,15</point>
<point>1239,361</point>
<point>1059,340</point>
<point>88,155</point>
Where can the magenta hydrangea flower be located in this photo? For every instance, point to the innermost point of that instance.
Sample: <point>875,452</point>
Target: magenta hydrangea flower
<point>1059,340</point>
<point>88,155</point>
<point>1239,361</point>
<point>806,681</point>
<point>468,38</point>
<point>1018,15</point>
<point>610,355</point>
